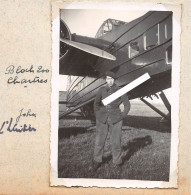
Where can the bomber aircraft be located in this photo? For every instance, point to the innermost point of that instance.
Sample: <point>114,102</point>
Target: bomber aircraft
<point>128,49</point>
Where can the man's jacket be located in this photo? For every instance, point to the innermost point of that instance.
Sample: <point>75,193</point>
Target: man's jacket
<point>112,110</point>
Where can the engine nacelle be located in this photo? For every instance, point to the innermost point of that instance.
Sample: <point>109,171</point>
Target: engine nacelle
<point>65,34</point>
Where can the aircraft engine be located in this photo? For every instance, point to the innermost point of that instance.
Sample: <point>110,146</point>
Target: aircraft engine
<point>65,34</point>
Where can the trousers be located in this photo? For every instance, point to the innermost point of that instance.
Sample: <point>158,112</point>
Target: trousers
<point>115,140</point>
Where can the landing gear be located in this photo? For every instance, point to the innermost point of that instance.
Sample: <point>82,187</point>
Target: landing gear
<point>88,111</point>
<point>166,117</point>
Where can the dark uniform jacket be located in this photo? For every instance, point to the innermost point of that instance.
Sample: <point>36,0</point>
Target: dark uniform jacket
<point>112,110</point>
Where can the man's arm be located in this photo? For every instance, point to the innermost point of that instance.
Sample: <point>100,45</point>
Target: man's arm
<point>126,103</point>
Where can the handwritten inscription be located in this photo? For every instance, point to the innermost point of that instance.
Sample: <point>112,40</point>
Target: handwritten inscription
<point>16,80</point>
<point>18,71</point>
<point>12,69</point>
<point>15,127</point>
<point>10,126</point>
<point>29,113</point>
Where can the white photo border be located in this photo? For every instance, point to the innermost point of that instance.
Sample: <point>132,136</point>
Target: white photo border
<point>54,180</point>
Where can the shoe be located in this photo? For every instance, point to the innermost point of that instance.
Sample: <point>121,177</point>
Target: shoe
<point>96,165</point>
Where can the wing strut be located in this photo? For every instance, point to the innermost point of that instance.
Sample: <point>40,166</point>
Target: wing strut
<point>155,109</point>
<point>166,117</point>
<point>165,100</point>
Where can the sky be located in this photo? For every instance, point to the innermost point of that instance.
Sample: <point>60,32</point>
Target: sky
<point>86,22</point>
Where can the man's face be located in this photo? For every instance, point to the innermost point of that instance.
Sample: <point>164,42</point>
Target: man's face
<point>110,81</point>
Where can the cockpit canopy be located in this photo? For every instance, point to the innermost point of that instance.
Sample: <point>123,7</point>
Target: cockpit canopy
<point>108,26</point>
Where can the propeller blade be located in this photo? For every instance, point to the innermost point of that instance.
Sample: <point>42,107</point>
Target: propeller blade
<point>89,49</point>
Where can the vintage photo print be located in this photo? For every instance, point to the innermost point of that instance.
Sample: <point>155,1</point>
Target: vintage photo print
<point>115,95</point>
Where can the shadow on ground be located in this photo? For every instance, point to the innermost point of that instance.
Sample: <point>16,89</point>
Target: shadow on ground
<point>130,148</point>
<point>71,131</point>
<point>135,145</point>
<point>144,122</point>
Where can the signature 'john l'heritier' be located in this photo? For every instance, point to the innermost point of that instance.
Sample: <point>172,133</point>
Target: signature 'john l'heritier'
<point>15,127</point>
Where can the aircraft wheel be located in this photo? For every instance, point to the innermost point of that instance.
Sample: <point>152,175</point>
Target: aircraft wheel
<point>88,111</point>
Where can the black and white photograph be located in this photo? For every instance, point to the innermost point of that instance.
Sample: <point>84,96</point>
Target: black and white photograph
<point>115,96</point>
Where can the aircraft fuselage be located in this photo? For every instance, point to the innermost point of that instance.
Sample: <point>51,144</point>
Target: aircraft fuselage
<point>143,45</point>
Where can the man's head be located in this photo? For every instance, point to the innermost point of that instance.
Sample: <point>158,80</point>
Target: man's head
<point>110,78</point>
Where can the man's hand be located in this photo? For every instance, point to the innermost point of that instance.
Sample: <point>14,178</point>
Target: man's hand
<point>121,107</point>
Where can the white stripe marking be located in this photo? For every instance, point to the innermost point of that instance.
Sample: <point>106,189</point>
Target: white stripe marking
<point>126,89</point>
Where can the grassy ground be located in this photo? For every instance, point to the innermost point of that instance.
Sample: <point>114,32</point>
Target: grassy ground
<point>145,145</point>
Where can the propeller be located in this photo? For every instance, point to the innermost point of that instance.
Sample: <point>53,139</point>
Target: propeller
<point>65,34</point>
<point>89,49</point>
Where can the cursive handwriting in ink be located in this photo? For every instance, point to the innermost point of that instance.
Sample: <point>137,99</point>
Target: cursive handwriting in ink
<point>11,69</point>
<point>41,70</point>
<point>1,129</point>
<point>27,114</point>
<point>21,129</point>
<point>15,127</point>
<point>16,80</point>
<point>21,70</point>
<point>20,75</point>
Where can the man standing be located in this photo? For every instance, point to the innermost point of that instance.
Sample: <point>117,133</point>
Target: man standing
<point>109,118</point>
